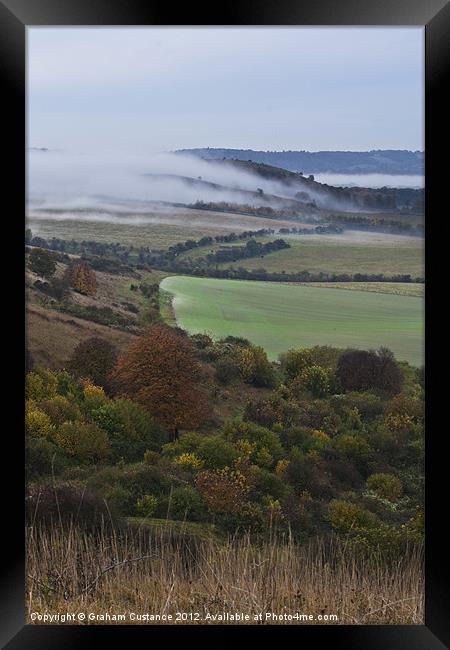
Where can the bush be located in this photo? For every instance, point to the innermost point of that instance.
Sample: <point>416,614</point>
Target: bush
<point>41,262</point>
<point>51,503</point>
<point>368,404</point>
<point>362,370</point>
<point>139,479</point>
<point>43,458</point>
<point>186,503</point>
<point>222,491</point>
<point>189,461</point>
<point>294,361</point>
<point>314,379</point>
<point>267,483</point>
<point>235,431</point>
<point>254,367</point>
<point>187,443</point>
<point>93,359</point>
<point>37,423</point>
<point>81,278</point>
<point>60,409</point>
<point>216,453</point>
<point>354,447</point>
<point>271,411</point>
<point>131,430</point>
<point>226,370</point>
<point>346,517</point>
<point>385,486</point>
<point>305,473</point>
<point>151,457</point>
<point>201,341</point>
<point>119,500</point>
<point>84,441</point>
<point>40,384</point>
<point>146,505</point>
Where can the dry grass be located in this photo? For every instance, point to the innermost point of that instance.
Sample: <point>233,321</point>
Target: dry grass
<point>144,571</point>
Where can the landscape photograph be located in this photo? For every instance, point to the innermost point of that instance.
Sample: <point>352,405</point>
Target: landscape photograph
<point>225,291</point>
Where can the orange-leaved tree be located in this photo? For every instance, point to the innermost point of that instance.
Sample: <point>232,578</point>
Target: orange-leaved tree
<point>160,371</point>
<point>81,277</point>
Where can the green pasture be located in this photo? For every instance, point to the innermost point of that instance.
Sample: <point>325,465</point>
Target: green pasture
<point>282,316</point>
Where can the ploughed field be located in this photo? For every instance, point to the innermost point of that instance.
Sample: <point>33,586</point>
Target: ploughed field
<point>282,316</point>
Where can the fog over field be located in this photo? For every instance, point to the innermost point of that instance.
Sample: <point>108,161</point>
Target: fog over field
<point>66,181</point>
<point>371,180</point>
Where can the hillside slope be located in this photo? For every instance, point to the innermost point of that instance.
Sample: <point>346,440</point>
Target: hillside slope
<point>340,162</point>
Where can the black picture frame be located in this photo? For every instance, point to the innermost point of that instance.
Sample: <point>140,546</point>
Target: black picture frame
<point>434,15</point>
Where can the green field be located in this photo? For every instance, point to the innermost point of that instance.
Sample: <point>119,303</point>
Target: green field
<point>282,316</point>
<point>342,255</point>
<point>157,229</point>
<point>350,252</point>
<point>396,288</point>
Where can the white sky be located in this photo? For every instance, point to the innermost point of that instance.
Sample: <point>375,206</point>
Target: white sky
<point>141,90</point>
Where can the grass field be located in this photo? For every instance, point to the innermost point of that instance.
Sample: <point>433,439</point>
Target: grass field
<point>397,288</point>
<point>342,254</point>
<point>164,571</point>
<point>281,316</point>
<point>350,252</point>
<point>158,229</point>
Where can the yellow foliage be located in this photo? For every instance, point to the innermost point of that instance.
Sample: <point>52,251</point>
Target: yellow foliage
<point>281,467</point>
<point>188,460</point>
<point>38,423</point>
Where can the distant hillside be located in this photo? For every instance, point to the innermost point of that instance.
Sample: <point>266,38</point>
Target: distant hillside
<point>340,162</point>
<point>306,189</point>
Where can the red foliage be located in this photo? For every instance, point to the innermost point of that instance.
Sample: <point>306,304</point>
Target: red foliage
<point>161,372</point>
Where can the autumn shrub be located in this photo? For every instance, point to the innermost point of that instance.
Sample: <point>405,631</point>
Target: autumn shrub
<point>146,505</point>
<point>187,443</point>
<point>81,278</point>
<point>313,379</point>
<point>41,262</point>
<point>262,437</point>
<point>201,341</point>
<point>227,370</point>
<point>151,457</point>
<point>272,410</point>
<point>68,386</point>
<point>363,370</point>
<point>189,461</point>
<point>84,441</point>
<point>40,384</point>
<point>93,397</point>
<point>369,404</point>
<point>352,446</point>
<point>131,430</point>
<point>305,473</point>
<point>37,423</point>
<point>160,371</point>
<point>345,516</point>
<point>386,486</point>
<point>119,500</point>
<point>222,491</point>
<point>294,361</point>
<point>138,478</point>
<point>60,409</point>
<point>93,359</point>
<point>254,366</point>
<point>216,453</point>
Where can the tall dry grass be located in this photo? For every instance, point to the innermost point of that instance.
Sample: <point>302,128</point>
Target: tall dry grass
<point>114,571</point>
